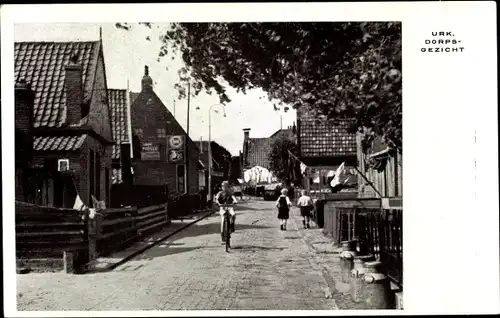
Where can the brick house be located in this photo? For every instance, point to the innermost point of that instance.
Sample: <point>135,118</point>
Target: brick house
<point>62,111</point>
<point>156,166</point>
<point>256,150</point>
<point>323,145</point>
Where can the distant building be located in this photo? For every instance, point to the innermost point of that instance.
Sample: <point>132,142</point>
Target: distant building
<point>62,112</point>
<point>221,164</point>
<point>256,150</point>
<point>163,155</point>
<point>122,155</point>
<point>323,145</point>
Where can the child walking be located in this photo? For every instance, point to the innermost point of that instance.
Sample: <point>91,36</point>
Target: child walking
<point>283,204</point>
<point>306,206</point>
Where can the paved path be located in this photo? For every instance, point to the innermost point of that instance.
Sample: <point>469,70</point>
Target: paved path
<point>266,269</point>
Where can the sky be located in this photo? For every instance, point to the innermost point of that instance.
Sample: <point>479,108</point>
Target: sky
<point>127,52</point>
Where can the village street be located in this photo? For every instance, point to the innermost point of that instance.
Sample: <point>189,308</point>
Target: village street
<point>266,269</point>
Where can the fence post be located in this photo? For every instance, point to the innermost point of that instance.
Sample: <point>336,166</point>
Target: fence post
<point>167,218</point>
<point>92,233</point>
<point>68,260</point>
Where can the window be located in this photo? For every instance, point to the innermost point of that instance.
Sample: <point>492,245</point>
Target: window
<point>139,132</point>
<point>181,179</point>
<point>161,133</point>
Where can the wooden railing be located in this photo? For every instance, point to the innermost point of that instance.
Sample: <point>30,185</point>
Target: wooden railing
<point>380,231</point>
<point>116,229</point>
<point>46,235</point>
<point>52,239</point>
<point>151,218</point>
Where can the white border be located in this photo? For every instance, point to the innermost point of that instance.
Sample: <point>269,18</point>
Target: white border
<point>450,177</point>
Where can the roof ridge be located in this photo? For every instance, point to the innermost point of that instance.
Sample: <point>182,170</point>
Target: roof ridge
<point>53,42</point>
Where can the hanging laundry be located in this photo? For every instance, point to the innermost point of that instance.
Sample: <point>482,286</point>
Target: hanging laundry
<point>340,176</point>
<point>303,168</point>
<point>317,177</point>
<point>79,205</point>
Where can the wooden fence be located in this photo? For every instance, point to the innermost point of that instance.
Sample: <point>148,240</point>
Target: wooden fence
<point>51,238</point>
<point>380,230</point>
<point>115,229</point>
<point>151,219</point>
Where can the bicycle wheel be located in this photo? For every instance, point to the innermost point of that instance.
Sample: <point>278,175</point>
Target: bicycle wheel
<point>228,232</point>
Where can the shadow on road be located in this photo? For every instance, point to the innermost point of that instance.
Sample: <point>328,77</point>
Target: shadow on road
<point>255,247</point>
<point>165,250</point>
<point>212,228</point>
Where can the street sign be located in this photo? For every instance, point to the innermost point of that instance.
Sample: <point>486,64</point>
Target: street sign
<point>150,152</point>
<point>176,148</point>
<point>176,142</point>
<point>175,155</point>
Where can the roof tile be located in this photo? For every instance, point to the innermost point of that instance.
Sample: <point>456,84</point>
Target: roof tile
<point>58,143</point>
<point>119,118</point>
<point>326,138</point>
<point>42,65</point>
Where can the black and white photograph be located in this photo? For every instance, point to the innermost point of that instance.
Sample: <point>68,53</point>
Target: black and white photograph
<point>204,166</point>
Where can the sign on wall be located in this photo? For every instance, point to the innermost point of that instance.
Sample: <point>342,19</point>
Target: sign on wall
<point>176,148</point>
<point>150,151</point>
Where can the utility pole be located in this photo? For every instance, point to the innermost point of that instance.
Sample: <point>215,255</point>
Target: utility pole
<point>174,107</point>
<point>187,138</point>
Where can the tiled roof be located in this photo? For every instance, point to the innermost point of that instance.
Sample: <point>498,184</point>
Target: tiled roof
<point>259,148</point>
<point>258,152</point>
<point>119,118</point>
<point>326,138</point>
<point>58,143</point>
<point>42,64</point>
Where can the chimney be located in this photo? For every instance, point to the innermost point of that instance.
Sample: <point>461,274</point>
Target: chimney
<point>24,98</point>
<point>147,81</point>
<point>74,91</point>
<point>246,137</point>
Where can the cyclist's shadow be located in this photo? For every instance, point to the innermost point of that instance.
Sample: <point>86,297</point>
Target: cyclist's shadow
<point>245,247</point>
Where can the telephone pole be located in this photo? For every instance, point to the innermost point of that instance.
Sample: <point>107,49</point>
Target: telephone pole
<point>187,138</point>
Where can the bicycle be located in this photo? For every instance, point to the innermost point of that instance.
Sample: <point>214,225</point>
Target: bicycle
<point>226,228</point>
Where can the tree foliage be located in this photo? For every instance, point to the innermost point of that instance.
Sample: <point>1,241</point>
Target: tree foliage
<point>279,157</point>
<point>337,69</point>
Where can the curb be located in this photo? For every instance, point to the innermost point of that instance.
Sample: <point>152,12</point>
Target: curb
<point>142,250</point>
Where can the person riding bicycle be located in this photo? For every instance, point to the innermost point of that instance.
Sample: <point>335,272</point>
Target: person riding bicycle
<point>224,197</point>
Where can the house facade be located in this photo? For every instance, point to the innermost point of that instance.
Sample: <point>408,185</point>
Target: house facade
<point>61,97</point>
<point>383,168</point>
<point>256,150</point>
<point>323,145</point>
<point>164,157</point>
